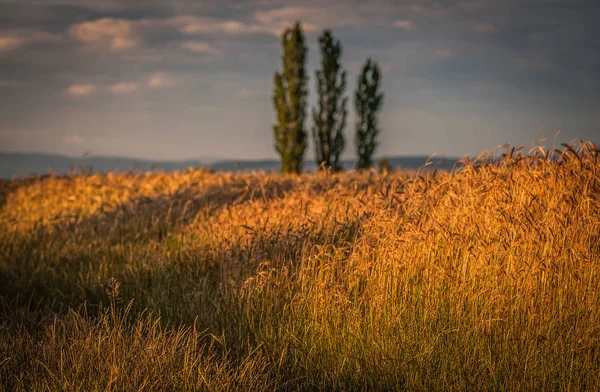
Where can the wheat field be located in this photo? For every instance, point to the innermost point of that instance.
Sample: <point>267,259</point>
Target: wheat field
<point>486,278</point>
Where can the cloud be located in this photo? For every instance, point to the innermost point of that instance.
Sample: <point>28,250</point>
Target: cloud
<point>14,83</point>
<point>245,93</point>
<point>315,18</point>
<point>404,24</point>
<point>116,34</point>
<point>444,53</point>
<point>386,68</point>
<point>81,89</point>
<point>92,5</point>
<point>483,27</point>
<point>277,20</point>
<point>12,39</point>
<point>123,88</point>
<point>274,21</point>
<point>160,79</point>
<point>198,47</point>
<point>207,25</point>
<point>8,43</point>
<point>73,139</point>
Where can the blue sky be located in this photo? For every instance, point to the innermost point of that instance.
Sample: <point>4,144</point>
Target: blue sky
<point>184,79</point>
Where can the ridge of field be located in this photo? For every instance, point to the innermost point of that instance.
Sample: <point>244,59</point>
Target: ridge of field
<point>487,278</point>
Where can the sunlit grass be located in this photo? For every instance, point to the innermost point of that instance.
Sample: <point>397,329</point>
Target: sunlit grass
<point>483,279</point>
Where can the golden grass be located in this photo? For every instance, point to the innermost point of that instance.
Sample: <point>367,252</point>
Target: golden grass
<point>483,279</point>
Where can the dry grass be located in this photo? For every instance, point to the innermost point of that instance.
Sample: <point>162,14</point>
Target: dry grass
<point>483,279</point>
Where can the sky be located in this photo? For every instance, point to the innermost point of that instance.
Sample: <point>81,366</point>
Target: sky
<point>185,79</point>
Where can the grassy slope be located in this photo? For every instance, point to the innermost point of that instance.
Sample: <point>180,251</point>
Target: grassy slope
<point>487,279</point>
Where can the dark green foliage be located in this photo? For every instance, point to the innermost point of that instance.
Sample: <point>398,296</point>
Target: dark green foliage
<point>368,101</point>
<point>384,165</point>
<point>289,99</point>
<point>330,115</point>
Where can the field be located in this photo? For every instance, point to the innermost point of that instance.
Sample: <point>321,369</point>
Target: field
<point>487,278</point>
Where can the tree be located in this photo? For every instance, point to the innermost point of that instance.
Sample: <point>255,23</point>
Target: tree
<point>329,116</point>
<point>368,100</point>
<point>289,99</point>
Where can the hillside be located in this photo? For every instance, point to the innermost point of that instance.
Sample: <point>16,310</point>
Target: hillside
<point>483,279</point>
<point>27,164</point>
<point>24,164</point>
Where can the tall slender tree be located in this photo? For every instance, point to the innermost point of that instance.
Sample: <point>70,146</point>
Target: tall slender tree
<point>368,99</point>
<point>329,116</point>
<point>289,99</point>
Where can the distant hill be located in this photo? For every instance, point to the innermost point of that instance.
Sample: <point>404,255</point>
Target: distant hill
<point>17,164</point>
<point>405,163</point>
<point>25,164</point>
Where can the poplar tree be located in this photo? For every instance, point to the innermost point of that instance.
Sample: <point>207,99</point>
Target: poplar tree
<point>329,116</point>
<point>289,99</point>
<point>368,100</point>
